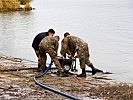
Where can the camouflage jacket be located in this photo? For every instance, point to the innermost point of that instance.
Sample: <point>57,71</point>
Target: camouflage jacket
<point>49,42</point>
<point>72,44</point>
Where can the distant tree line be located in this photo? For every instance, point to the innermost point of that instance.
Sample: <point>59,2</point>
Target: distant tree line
<point>13,5</point>
<point>23,2</point>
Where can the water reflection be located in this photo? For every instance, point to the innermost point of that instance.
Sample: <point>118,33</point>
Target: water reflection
<point>15,30</point>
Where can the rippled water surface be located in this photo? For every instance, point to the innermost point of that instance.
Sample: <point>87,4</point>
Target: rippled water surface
<point>106,25</point>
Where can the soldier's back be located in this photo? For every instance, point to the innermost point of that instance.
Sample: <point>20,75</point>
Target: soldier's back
<point>48,42</point>
<point>78,41</point>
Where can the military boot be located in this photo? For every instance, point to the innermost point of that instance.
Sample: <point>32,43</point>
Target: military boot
<point>83,74</point>
<point>93,69</point>
<point>62,74</point>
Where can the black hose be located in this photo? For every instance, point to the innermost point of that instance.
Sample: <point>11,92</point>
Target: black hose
<point>49,88</point>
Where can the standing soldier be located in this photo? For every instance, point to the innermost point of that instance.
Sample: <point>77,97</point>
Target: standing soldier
<point>49,45</point>
<point>37,40</point>
<point>81,47</point>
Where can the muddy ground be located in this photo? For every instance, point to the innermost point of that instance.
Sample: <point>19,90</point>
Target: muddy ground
<point>20,85</point>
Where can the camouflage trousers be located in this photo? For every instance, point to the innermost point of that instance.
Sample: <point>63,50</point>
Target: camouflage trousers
<point>41,60</point>
<point>53,54</point>
<point>83,55</point>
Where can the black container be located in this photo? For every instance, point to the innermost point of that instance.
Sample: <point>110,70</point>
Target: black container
<point>66,64</point>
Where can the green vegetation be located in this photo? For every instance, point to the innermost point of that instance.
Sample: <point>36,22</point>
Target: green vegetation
<point>14,5</point>
<point>23,2</point>
<point>76,89</point>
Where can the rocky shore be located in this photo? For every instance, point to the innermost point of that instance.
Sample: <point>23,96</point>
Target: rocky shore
<point>19,84</point>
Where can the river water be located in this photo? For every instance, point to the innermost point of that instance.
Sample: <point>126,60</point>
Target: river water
<point>106,25</point>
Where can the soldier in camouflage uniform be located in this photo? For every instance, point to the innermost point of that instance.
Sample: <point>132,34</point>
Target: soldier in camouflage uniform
<point>49,45</point>
<point>36,42</point>
<point>81,47</point>
<point>71,48</point>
